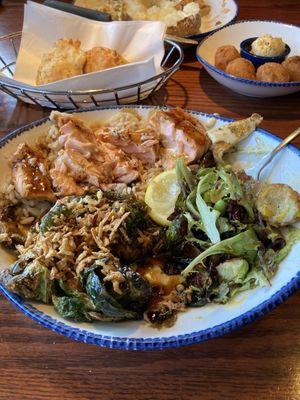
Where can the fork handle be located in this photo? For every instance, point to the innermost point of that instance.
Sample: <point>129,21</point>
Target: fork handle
<point>281,145</point>
<point>287,140</point>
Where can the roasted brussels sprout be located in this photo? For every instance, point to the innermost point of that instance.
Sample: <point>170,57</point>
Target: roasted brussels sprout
<point>56,211</point>
<point>176,232</point>
<point>30,280</point>
<point>138,218</point>
<point>71,307</point>
<point>102,300</point>
<point>76,305</point>
<point>136,291</point>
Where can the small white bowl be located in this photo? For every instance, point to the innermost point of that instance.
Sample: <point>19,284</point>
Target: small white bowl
<point>234,34</point>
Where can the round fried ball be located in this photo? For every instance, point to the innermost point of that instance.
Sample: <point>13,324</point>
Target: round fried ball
<point>292,64</point>
<point>272,72</point>
<point>241,68</point>
<point>224,55</point>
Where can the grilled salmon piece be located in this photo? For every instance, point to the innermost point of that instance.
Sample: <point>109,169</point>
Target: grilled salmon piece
<point>82,168</point>
<point>123,168</point>
<point>142,144</point>
<point>65,184</point>
<point>30,174</point>
<point>75,137</point>
<point>85,159</point>
<point>180,134</point>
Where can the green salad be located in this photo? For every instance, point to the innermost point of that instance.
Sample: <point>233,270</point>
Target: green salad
<point>216,217</point>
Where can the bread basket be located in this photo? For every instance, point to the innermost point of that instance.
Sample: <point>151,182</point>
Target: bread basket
<point>68,100</point>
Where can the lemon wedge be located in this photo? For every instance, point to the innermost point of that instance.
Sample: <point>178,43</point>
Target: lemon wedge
<point>161,196</point>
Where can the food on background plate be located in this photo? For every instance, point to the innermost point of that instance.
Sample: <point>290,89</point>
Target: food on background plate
<point>67,59</point>
<point>64,61</point>
<point>182,17</point>
<point>147,218</point>
<point>292,65</point>
<point>224,55</point>
<point>99,58</point>
<point>115,8</point>
<point>268,46</point>
<point>272,72</point>
<point>228,59</point>
<point>242,68</point>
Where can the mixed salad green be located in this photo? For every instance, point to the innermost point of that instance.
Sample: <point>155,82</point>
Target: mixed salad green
<point>215,218</point>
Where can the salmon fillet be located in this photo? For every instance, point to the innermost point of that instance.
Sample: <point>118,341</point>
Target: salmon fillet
<point>142,144</point>
<point>180,135</point>
<point>30,174</point>
<point>85,160</point>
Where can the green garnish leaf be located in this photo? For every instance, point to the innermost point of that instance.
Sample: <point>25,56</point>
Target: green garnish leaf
<point>292,236</point>
<point>243,245</point>
<point>208,217</point>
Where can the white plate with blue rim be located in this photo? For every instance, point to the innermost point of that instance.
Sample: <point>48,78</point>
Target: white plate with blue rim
<point>196,324</point>
<point>221,13</point>
<point>234,34</point>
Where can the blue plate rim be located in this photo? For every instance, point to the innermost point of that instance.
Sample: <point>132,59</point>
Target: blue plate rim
<point>235,78</point>
<point>124,343</point>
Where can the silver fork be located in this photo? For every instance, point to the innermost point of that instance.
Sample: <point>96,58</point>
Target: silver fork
<point>261,164</point>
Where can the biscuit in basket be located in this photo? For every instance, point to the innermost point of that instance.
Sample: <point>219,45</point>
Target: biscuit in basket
<point>64,61</point>
<point>99,58</point>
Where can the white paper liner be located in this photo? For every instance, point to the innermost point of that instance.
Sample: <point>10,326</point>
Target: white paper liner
<point>140,42</point>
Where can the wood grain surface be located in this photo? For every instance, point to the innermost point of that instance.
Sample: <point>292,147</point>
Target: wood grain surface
<point>260,361</point>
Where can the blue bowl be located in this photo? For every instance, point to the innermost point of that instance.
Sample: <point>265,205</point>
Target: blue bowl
<point>259,60</point>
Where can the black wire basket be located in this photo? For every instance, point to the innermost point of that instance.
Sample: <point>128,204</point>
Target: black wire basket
<point>68,100</point>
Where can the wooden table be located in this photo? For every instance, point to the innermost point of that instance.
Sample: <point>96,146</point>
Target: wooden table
<point>260,361</point>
